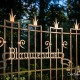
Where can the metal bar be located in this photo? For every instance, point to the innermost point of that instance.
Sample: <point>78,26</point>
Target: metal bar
<point>11,47</point>
<point>56,52</point>
<point>35,51</point>
<point>76,50</point>
<point>76,54</point>
<point>71,51</point>
<point>50,57</point>
<point>48,69</point>
<point>41,49</point>
<point>4,52</point>
<point>18,51</point>
<point>28,52</point>
<point>62,50</point>
<point>65,33</point>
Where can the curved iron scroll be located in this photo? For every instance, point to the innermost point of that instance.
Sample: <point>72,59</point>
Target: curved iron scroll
<point>2,41</point>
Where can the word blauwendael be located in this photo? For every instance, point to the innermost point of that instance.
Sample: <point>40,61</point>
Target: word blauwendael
<point>14,54</point>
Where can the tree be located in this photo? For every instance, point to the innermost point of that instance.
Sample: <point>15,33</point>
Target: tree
<point>73,10</point>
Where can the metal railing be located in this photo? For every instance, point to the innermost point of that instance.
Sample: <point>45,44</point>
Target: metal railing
<point>23,58</point>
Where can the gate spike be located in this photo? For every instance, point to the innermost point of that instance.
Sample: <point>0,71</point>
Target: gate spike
<point>35,20</point>
<point>12,17</point>
<point>56,24</point>
<point>76,25</point>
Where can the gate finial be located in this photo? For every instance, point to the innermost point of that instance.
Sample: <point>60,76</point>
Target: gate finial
<point>56,23</point>
<point>35,20</point>
<point>76,25</point>
<point>12,17</point>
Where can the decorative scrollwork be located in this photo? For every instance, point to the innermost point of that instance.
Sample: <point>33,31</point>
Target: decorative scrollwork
<point>2,41</point>
<point>68,63</point>
<point>22,42</point>
<point>48,44</point>
<point>64,44</point>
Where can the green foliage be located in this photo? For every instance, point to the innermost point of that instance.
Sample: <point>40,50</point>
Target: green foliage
<point>73,8</point>
<point>7,77</point>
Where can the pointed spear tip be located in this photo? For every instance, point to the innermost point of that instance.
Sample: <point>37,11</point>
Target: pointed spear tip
<point>12,17</point>
<point>76,25</point>
<point>34,20</point>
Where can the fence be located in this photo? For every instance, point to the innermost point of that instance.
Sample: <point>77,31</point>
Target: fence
<point>22,56</point>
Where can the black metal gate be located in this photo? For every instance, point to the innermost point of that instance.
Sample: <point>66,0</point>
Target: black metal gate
<point>22,56</point>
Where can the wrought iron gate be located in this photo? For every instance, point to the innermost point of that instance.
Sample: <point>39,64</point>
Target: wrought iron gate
<point>22,56</point>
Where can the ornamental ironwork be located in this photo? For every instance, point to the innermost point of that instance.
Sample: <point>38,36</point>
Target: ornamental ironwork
<point>22,56</point>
